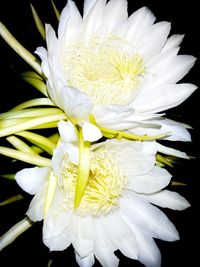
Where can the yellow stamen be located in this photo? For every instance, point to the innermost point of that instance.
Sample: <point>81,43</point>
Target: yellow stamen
<point>105,184</point>
<point>103,71</point>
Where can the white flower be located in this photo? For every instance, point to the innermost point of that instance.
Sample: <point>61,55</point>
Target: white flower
<point>115,211</point>
<point>122,70</point>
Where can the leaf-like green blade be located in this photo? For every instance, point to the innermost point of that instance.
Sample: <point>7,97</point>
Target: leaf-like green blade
<point>55,10</point>
<point>11,200</point>
<point>26,157</point>
<point>19,49</point>
<point>32,123</point>
<point>34,102</point>
<point>38,22</point>
<point>83,169</point>
<point>39,140</point>
<point>36,81</point>
<point>20,145</point>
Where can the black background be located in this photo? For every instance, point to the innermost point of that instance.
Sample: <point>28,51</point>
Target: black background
<point>28,249</point>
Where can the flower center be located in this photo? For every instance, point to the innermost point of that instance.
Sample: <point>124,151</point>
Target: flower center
<point>106,184</point>
<point>103,71</point>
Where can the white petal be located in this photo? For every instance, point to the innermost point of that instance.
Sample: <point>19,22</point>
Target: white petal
<point>64,16</point>
<point>158,64</point>
<point>75,103</point>
<point>149,253</point>
<point>57,219</point>
<point>113,116</point>
<point>57,159</point>
<point>67,132</point>
<point>82,234</point>
<point>51,41</point>
<point>149,219</point>
<point>163,97</point>
<point>87,261</point>
<point>168,199</point>
<point>173,42</point>
<point>153,181</point>
<point>139,23</point>
<point>31,179</point>
<point>165,75</point>
<point>58,156</point>
<point>176,131</point>
<point>114,15</point>
<point>73,153</point>
<point>71,22</point>
<point>57,243</point>
<point>93,21</point>
<point>36,208</point>
<point>88,4</point>
<point>55,229</point>
<point>104,248</point>
<point>91,132</point>
<point>172,152</point>
<point>181,66</point>
<point>134,158</point>
<point>156,40</point>
<point>121,234</point>
<point>42,53</point>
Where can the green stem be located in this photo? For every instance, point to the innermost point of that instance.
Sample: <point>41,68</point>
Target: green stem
<point>20,145</point>
<point>19,49</point>
<point>30,113</point>
<point>26,157</point>
<point>31,124</point>
<point>39,141</point>
<point>14,232</point>
<point>34,102</point>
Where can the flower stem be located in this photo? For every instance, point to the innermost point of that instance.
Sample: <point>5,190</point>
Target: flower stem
<point>14,232</point>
